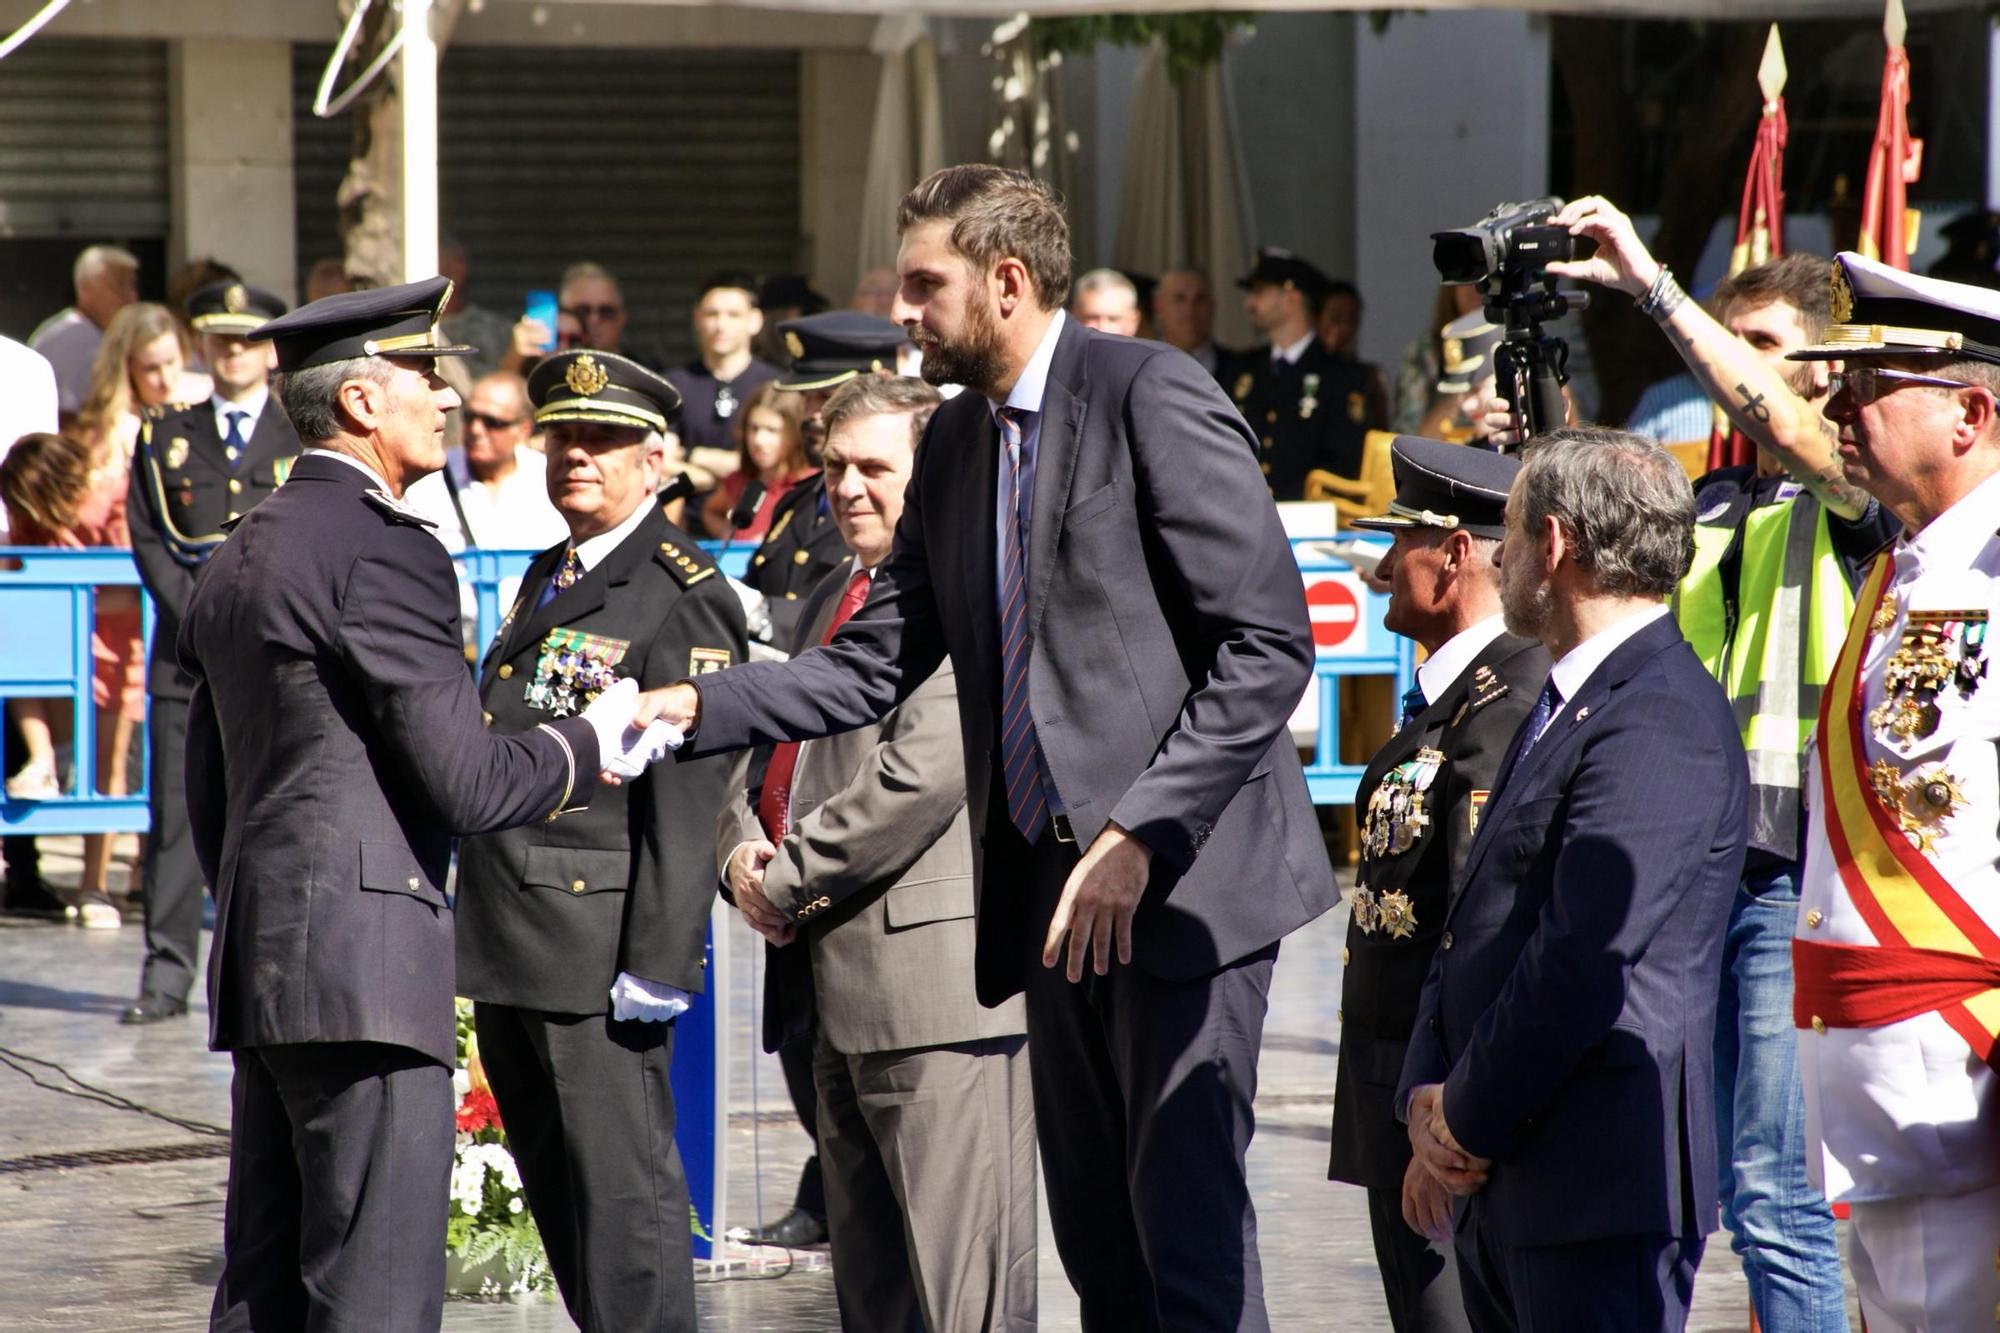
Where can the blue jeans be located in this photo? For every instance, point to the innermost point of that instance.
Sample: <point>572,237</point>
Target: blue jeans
<point>1781,1226</point>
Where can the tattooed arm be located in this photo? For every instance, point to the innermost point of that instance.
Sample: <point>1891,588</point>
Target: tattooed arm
<point>1737,375</point>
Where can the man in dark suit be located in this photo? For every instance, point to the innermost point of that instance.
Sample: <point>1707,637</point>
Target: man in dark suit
<point>580,941</point>
<point>1088,538</point>
<point>1421,797</point>
<point>853,857</point>
<point>334,748</point>
<point>803,545</point>
<point>1308,407</point>
<point>197,467</point>
<point>1561,1070</point>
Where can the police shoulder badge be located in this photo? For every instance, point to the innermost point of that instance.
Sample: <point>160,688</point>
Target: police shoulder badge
<point>585,376</point>
<point>701,661</point>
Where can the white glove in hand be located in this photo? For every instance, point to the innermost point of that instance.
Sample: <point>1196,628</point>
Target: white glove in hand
<point>610,715</point>
<point>646,1001</point>
<point>641,749</point>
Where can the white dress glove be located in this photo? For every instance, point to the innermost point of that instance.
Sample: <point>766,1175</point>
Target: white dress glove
<point>642,749</point>
<point>637,999</point>
<point>610,715</point>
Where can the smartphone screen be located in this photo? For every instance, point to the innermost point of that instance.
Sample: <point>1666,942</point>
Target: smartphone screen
<point>541,308</point>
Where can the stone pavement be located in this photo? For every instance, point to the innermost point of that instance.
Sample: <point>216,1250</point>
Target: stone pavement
<point>110,1219</point>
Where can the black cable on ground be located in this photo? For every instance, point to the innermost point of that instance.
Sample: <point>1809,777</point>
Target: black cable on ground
<point>18,1060</point>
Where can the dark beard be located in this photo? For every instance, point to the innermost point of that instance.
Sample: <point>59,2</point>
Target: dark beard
<point>974,360</point>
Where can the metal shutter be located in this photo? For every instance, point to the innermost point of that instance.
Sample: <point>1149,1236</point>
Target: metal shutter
<point>662,165</point>
<point>83,139</point>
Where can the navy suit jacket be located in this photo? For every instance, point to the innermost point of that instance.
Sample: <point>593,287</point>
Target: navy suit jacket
<point>1570,1008</point>
<point>334,747</point>
<point>1168,644</point>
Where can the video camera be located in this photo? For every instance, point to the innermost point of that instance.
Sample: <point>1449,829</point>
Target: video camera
<point>1506,254</point>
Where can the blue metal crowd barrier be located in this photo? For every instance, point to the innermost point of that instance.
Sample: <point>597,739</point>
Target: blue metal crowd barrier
<point>48,603</point>
<point>48,599</point>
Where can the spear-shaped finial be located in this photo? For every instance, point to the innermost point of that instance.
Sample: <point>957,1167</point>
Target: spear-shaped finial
<point>1895,23</point>
<point>1771,71</point>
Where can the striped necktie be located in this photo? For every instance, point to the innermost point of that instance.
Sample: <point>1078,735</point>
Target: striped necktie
<point>1020,757</point>
<point>774,800</point>
<point>1546,704</point>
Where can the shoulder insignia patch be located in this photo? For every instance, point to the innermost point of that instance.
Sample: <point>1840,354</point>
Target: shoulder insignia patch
<point>689,564</point>
<point>1473,805</point>
<point>701,661</point>
<point>395,510</point>
<point>1486,687</point>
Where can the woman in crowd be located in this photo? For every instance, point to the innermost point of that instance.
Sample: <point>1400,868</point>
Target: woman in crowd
<point>141,364</point>
<point>62,491</point>
<point>771,448</point>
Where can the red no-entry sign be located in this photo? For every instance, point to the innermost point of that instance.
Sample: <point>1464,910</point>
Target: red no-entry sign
<point>1334,609</point>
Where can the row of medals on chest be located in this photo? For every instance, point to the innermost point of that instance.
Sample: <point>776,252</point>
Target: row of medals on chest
<point>1941,655</point>
<point>1393,823</point>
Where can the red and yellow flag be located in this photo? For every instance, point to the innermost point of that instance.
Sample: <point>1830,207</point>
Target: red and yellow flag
<point>1888,227</point>
<point>1760,222</point>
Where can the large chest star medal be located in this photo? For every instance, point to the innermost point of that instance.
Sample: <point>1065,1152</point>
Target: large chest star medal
<point>571,668</point>
<point>1940,652</point>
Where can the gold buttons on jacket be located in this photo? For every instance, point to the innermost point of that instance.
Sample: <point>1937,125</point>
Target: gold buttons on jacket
<point>1819,1025</point>
<point>488,717</point>
<point>800,557</point>
<point>1813,918</point>
<point>1445,943</point>
<point>236,486</point>
<point>577,886</point>
<point>506,670</point>
<point>413,884</point>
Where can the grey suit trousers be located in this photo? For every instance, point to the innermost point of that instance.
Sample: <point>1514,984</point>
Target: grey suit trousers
<point>929,1157</point>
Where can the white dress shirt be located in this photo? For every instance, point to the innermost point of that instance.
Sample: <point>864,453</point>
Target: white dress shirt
<point>1291,352</point>
<point>251,405</point>
<point>1580,663</point>
<point>1449,662</point>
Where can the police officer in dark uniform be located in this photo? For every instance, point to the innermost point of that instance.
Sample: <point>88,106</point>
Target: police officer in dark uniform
<point>802,545</point>
<point>1309,408</point>
<point>579,941</point>
<point>1419,803</point>
<point>334,750</point>
<point>198,466</point>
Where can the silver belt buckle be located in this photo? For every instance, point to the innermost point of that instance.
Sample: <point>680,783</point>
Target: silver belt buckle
<point>1064,833</point>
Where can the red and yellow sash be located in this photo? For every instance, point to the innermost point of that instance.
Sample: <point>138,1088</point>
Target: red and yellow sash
<point>1915,914</point>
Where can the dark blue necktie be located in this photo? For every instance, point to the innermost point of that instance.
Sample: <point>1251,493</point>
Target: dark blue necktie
<point>1413,704</point>
<point>234,442</point>
<point>1546,704</point>
<point>1020,762</point>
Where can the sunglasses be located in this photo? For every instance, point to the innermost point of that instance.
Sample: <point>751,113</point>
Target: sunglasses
<point>594,311</point>
<point>492,423</point>
<point>1865,384</point>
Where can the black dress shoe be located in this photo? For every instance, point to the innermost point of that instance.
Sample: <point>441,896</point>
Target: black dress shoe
<point>33,899</point>
<point>152,1009</point>
<point>795,1231</point>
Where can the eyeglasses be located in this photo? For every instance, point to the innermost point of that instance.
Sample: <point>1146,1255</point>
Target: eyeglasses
<point>1865,384</point>
<point>588,312</point>
<point>492,423</point>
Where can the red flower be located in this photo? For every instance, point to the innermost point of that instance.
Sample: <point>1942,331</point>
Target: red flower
<point>478,1111</point>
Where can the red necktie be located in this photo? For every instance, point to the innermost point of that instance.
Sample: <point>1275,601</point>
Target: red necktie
<point>774,802</point>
